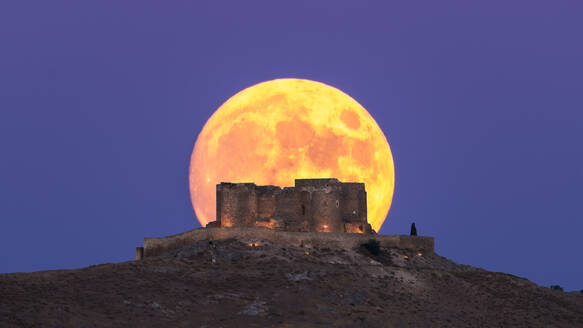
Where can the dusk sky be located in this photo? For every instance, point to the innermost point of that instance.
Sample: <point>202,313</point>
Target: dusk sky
<point>481,102</point>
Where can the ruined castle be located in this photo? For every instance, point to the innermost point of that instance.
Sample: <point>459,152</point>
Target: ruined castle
<point>312,205</point>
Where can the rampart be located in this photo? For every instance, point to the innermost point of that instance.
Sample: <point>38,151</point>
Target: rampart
<point>159,246</point>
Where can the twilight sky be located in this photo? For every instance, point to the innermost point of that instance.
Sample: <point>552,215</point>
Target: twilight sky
<point>482,104</point>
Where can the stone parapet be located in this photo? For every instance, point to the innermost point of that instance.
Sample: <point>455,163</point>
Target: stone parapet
<point>159,246</point>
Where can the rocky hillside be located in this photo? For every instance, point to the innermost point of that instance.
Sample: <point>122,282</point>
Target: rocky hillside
<point>251,283</point>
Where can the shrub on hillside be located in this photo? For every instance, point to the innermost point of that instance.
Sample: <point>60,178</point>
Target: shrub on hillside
<point>373,246</point>
<point>557,287</point>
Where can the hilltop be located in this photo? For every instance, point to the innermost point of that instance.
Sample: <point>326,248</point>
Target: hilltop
<point>239,282</point>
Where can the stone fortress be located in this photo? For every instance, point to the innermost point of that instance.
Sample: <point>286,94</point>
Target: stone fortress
<point>312,205</point>
<point>315,213</point>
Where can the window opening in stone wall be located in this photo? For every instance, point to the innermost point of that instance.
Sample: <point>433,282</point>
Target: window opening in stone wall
<point>337,203</point>
<point>303,210</point>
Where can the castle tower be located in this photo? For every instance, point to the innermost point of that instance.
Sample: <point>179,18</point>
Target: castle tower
<point>325,209</point>
<point>236,204</point>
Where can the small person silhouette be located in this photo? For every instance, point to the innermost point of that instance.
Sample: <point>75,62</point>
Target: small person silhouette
<point>413,229</point>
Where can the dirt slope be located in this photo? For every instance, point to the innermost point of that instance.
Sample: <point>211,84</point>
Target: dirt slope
<point>231,283</point>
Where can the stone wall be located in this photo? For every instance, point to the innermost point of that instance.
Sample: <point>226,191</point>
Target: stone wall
<point>267,201</point>
<point>236,204</point>
<point>159,246</point>
<point>353,202</point>
<point>325,205</point>
<point>326,212</point>
<point>288,204</point>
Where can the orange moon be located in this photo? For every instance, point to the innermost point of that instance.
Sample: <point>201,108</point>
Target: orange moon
<point>277,131</point>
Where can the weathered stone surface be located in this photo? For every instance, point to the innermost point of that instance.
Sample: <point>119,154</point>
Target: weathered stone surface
<point>340,240</point>
<point>213,224</point>
<point>323,205</point>
<point>356,227</point>
<point>139,253</point>
<point>236,204</point>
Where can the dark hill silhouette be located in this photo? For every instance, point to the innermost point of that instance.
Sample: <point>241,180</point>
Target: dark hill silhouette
<point>231,283</point>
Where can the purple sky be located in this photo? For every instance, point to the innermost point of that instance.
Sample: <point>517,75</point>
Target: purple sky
<point>482,104</point>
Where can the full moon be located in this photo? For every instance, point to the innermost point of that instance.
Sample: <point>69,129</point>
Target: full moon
<point>277,131</point>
